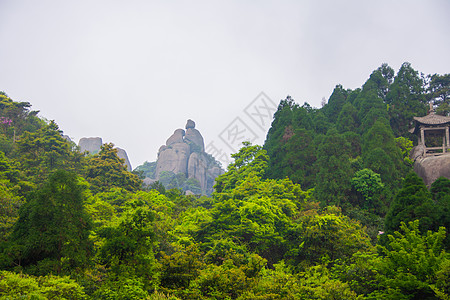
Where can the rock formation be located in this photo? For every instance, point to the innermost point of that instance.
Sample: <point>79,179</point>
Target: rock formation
<point>184,152</point>
<point>121,153</point>
<point>94,144</point>
<point>431,168</point>
<point>91,144</point>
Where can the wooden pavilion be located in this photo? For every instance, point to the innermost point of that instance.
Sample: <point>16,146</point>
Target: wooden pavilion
<point>431,129</point>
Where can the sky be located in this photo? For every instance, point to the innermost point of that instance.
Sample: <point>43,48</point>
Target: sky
<point>133,71</point>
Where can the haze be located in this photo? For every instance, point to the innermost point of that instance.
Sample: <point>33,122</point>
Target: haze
<point>132,72</point>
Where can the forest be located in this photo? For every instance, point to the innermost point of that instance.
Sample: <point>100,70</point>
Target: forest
<point>328,208</point>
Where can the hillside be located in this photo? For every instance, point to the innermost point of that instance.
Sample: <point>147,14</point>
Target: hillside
<point>327,208</point>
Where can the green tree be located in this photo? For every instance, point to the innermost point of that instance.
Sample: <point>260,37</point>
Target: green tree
<point>439,90</point>
<point>335,170</point>
<point>106,170</point>
<point>335,104</point>
<point>406,99</point>
<point>14,286</point>
<point>45,151</point>
<point>440,191</point>
<point>127,252</point>
<point>325,236</point>
<point>368,184</point>
<point>249,160</point>
<point>348,118</point>
<point>52,232</point>
<point>410,263</point>
<point>413,201</point>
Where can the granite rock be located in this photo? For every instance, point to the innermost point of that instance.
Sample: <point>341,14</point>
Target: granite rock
<point>194,137</point>
<point>176,137</point>
<point>91,144</point>
<point>184,152</point>
<point>174,158</point>
<point>190,124</point>
<point>431,168</point>
<point>121,153</point>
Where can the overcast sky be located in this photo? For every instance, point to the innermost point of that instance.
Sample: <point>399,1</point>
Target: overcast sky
<point>133,71</point>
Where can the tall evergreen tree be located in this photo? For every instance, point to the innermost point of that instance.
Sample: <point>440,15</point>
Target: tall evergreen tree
<point>406,99</point>
<point>52,232</point>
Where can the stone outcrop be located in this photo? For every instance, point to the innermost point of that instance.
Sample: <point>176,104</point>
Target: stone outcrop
<point>431,168</point>
<point>184,152</point>
<point>176,137</point>
<point>91,144</point>
<point>94,144</point>
<point>173,158</point>
<point>121,153</point>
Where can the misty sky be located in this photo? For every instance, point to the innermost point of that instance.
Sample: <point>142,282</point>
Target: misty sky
<point>133,71</point>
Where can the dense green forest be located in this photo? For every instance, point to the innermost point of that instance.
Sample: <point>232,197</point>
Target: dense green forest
<point>327,208</point>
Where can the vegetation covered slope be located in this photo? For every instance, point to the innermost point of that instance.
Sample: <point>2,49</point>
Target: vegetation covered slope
<point>299,218</point>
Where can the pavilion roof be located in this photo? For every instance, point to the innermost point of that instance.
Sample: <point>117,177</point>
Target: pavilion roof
<point>433,119</point>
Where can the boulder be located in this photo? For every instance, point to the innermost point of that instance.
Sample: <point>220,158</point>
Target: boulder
<point>431,168</point>
<point>174,158</point>
<point>190,124</point>
<point>194,137</point>
<point>123,155</point>
<point>91,144</point>
<point>176,137</point>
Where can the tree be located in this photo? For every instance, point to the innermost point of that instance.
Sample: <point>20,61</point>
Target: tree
<point>249,160</point>
<point>52,232</point>
<point>411,262</point>
<point>335,104</point>
<point>439,90</point>
<point>127,250</point>
<point>325,236</point>
<point>45,151</point>
<point>406,99</point>
<point>106,170</point>
<point>348,118</point>
<point>440,191</point>
<point>335,169</point>
<point>368,184</point>
<point>413,201</point>
<point>412,265</point>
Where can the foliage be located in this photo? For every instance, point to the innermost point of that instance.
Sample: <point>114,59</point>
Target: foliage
<point>170,180</point>
<point>106,170</point>
<point>148,169</point>
<point>368,183</point>
<point>47,287</point>
<point>300,218</point>
<point>42,152</point>
<point>325,236</point>
<point>412,202</point>
<point>51,234</point>
<point>250,160</point>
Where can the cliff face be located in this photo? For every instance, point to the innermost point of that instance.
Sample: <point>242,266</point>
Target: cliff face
<point>93,145</point>
<point>184,153</point>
